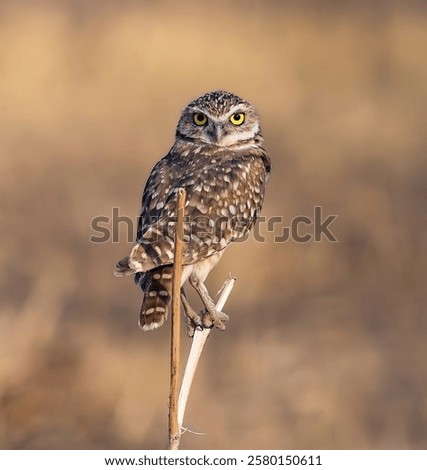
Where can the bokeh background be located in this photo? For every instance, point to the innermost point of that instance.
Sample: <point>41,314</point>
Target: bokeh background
<point>326,347</point>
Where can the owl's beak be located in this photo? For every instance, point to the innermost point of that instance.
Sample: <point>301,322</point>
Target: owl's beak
<point>216,133</point>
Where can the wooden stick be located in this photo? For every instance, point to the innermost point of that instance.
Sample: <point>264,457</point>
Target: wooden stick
<point>200,337</point>
<point>173,426</point>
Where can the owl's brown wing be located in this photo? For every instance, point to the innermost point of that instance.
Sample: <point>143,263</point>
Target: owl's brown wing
<point>224,196</point>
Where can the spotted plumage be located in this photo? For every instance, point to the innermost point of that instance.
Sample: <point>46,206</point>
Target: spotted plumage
<point>219,160</point>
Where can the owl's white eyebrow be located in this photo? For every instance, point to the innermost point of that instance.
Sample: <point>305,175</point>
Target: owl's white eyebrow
<point>234,109</point>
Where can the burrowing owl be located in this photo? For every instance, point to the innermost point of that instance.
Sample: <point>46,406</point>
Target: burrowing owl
<point>219,160</point>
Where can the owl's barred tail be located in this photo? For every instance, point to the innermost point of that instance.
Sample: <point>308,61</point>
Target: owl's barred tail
<point>157,287</point>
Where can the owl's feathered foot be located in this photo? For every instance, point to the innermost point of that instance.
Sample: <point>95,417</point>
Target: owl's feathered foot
<point>192,319</point>
<point>214,318</point>
<point>211,317</point>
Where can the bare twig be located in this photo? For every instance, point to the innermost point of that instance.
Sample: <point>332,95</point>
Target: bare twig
<point>200,337</point>
<point>173,428</point>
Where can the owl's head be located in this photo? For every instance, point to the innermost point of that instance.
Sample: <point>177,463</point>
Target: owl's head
<point>219,118</point>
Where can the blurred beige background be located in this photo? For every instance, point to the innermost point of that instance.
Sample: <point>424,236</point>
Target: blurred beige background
<point>326,346</point>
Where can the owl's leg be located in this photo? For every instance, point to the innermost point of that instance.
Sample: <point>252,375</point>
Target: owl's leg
<point>212,316</point>
<point>192,319</point>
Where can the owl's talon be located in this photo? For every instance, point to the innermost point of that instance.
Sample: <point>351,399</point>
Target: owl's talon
<point>190,330</point>
<point>193,324</point>
<point>215,319</point>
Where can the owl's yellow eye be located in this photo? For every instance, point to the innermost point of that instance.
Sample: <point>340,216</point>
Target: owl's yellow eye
<point>199,119</point>
<point>237,119</point>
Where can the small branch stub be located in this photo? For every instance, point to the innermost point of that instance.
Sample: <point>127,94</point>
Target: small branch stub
<point>173,426</point>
